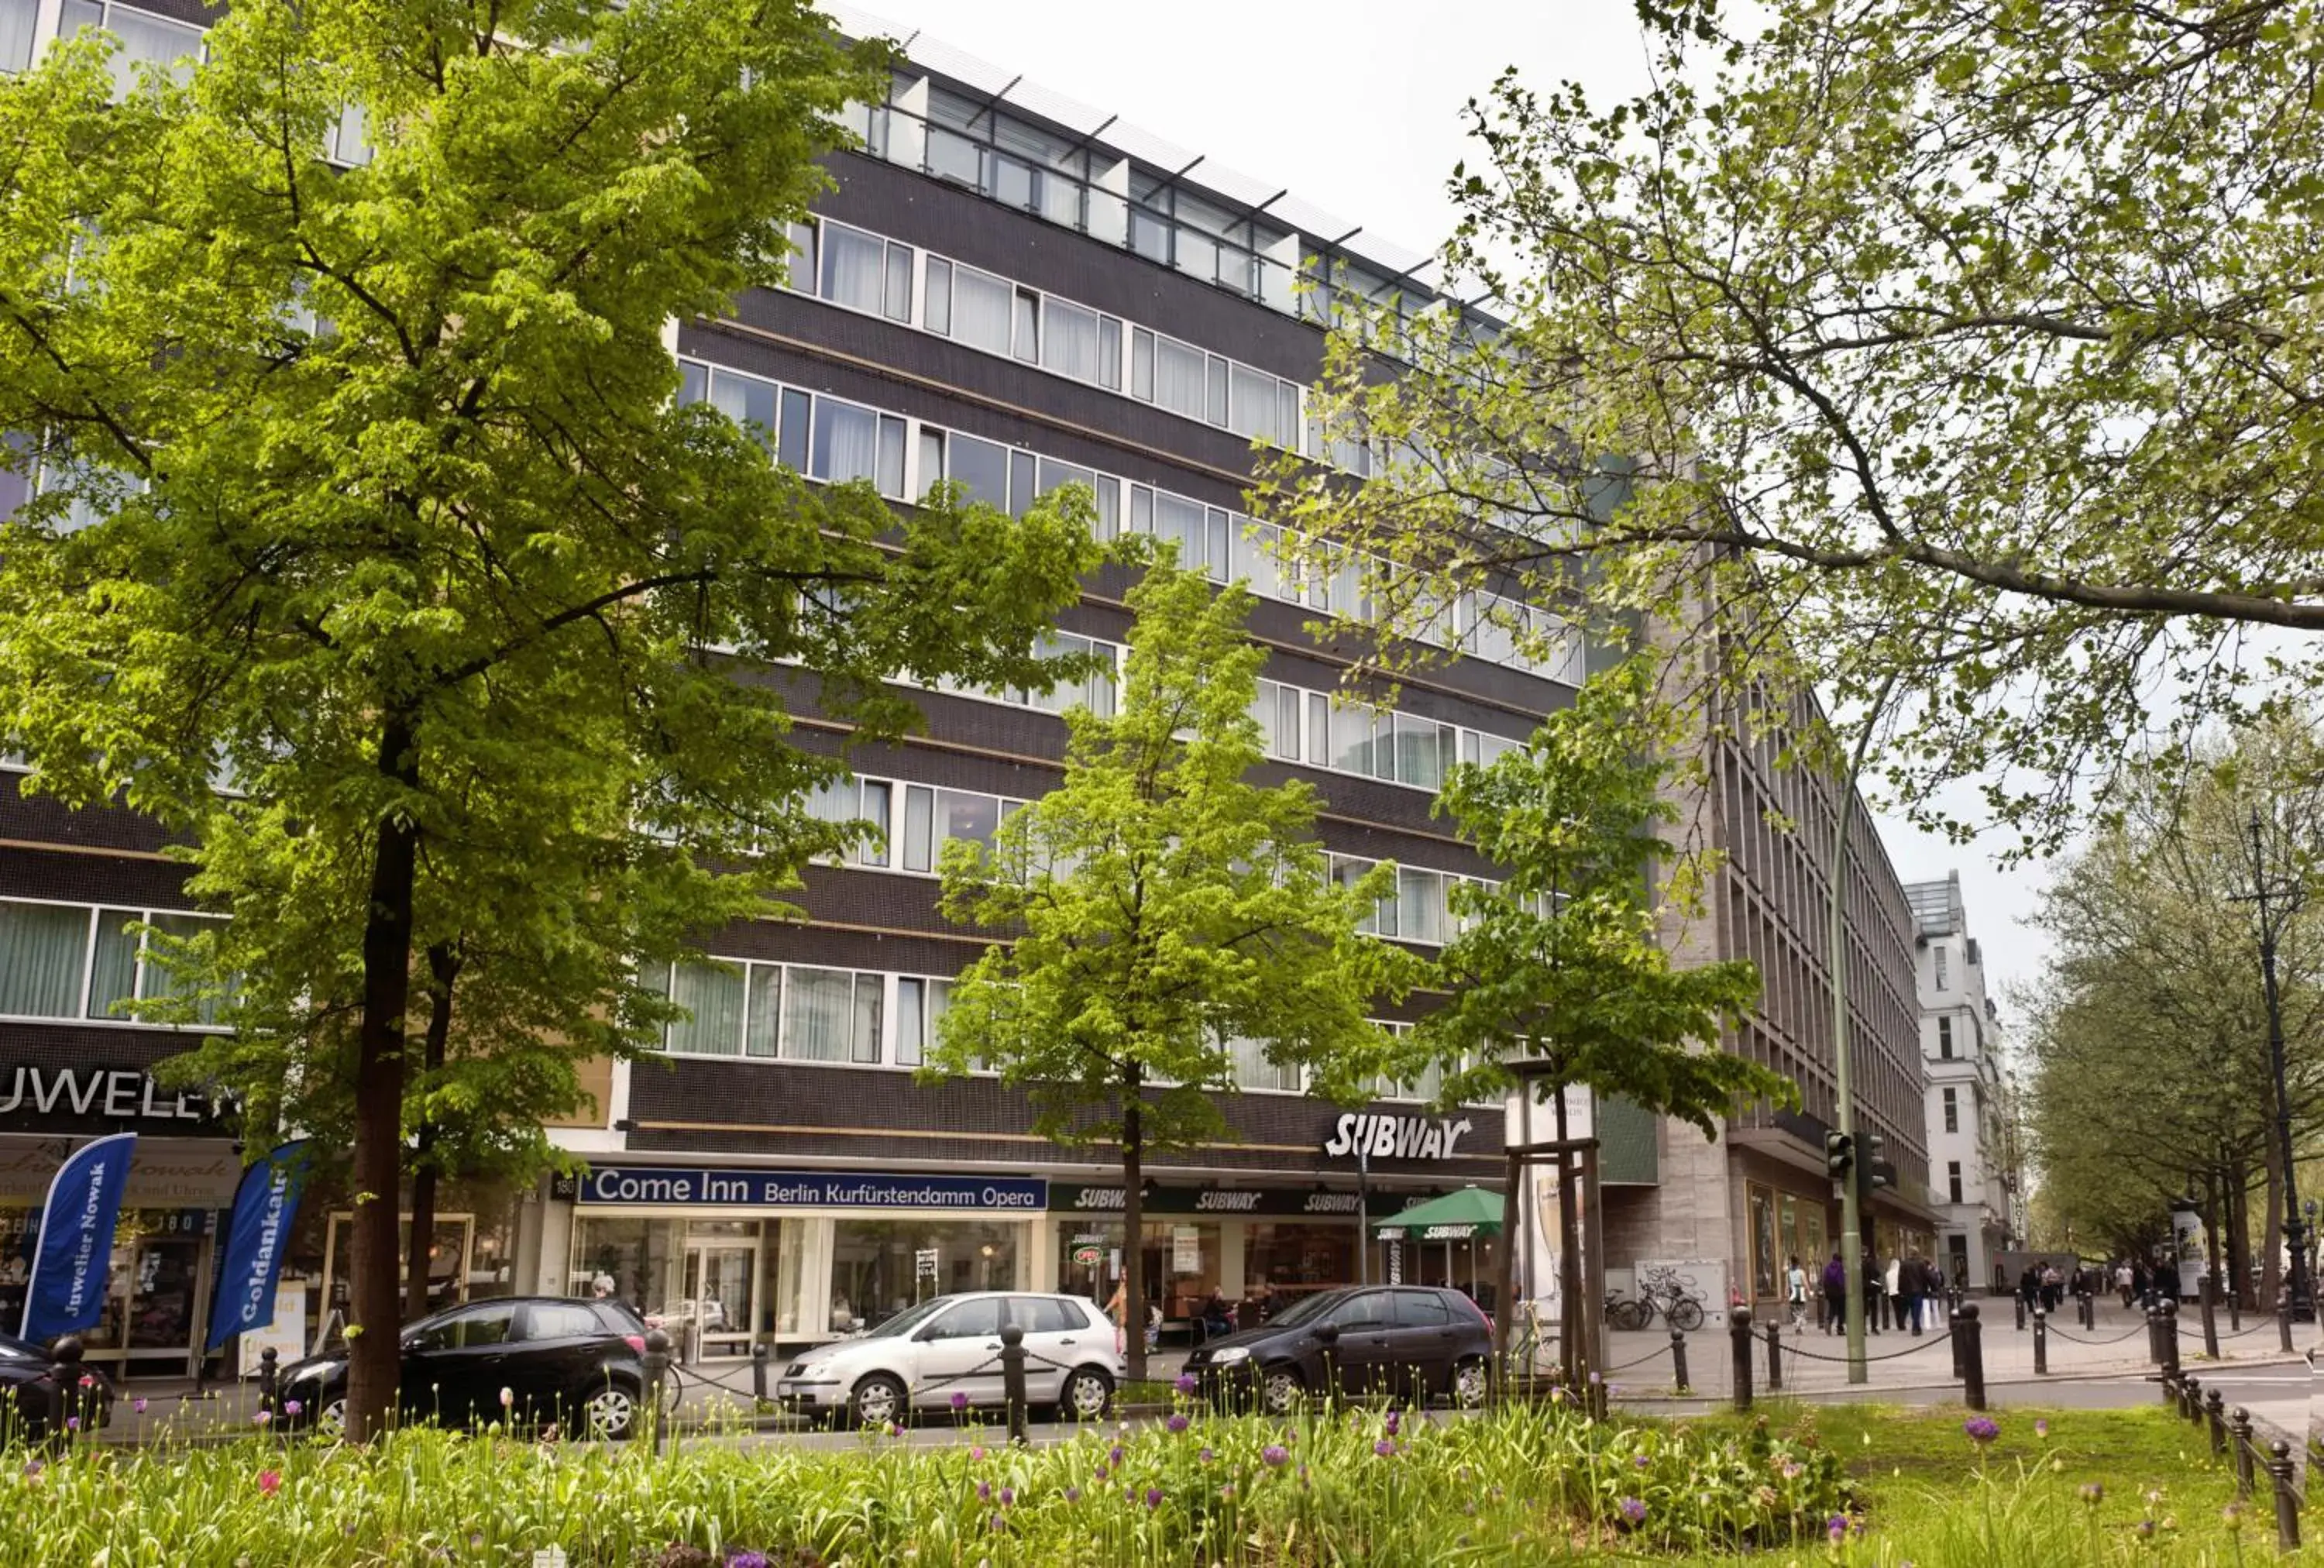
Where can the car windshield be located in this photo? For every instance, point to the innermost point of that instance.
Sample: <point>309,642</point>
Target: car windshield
<point>1307,1309</point>
<point>16,1350</point>
<point>910,1318</point>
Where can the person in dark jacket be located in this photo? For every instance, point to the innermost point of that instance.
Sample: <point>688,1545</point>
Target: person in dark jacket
<point>1873,1295</point>
<point>1835,1296</point>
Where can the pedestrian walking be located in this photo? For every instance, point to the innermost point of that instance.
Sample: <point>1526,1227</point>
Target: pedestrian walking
<point>1835,1296</point>
<point>1873,1295</point>
<point>1895,1286</point>
<point>1796,1294</point>
<point>1923,1287</point>
<point>2053,1289</point>
<point>2125,1281</point>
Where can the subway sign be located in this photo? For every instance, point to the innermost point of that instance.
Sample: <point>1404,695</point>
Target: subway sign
<point>680,1186</point>
<point>1383,1136</point>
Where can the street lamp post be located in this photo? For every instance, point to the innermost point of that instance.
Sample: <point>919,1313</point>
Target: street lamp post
<point>2275,906</point>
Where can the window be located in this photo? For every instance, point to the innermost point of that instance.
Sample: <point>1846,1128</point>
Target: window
<point>1254,1070</point>
<point>1421,1309</point>
<point>1953,1110</point>
<point>979,467</point>
<point>936,304</point>
<point>983,310</point>
<point>1945,1039</point>
<point>1045,1315</point>
<point>919,1003</point>
<point>969,1320</point>
<point>146,40</point>
<point>852,442</point>
<point>831,1015</point>
<point>560,1320</point>
<point>479,1325</point>
<point>768,1010</point>
<point>17,18</point>
<point>1953,1181</point>
<point>43,949</point>
<point>1937,953</point>
<point>1179,376</point>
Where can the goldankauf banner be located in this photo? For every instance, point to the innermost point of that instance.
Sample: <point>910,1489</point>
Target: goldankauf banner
<point>264,1204</point>
<point>72,1260</point>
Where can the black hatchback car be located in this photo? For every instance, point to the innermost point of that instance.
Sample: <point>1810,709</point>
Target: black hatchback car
<point>1407,1341</point>
<point>28,1384</point>
<point>578,1364</point>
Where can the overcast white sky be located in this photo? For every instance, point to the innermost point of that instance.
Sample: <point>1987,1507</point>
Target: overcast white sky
<point>1356,106</point>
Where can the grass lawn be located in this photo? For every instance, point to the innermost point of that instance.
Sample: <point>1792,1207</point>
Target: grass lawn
<point>1934,1499</point>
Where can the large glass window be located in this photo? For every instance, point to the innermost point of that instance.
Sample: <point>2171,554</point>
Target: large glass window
<point>983,310</point>
<point>17,18</point>
<point>920,1002</point>
<point>831,1015</point>
<point>880,1267</point>
<point>979,467</point>
<point>1297,1260</point>
<point>43,949</point>
<point>1179,373</point>
<point>854,267</point>
<point>146,40</point>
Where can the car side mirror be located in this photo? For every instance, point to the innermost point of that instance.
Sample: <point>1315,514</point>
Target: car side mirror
<point>1329,1332</point>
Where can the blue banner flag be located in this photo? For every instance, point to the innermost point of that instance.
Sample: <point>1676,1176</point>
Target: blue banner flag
<point>75,1252</point>
<point>263,1207</point>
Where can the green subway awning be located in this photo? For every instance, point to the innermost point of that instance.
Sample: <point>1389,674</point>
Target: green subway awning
<point>1455,1217</point>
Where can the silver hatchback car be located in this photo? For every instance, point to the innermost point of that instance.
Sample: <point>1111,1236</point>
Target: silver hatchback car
<point>946,1352</point>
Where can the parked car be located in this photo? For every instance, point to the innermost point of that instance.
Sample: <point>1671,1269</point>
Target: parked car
<point>949,1345</point>
<point>28,1384</point>
<point>1413,1342</point>
<point>580,1364</point>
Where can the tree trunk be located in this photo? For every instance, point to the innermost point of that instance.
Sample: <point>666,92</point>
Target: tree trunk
<point>374,1357</point>
<point>442,970</point>
<point>2271,1251</point>
<point>2239,1258</point>
<point>2211,1226</point>
<point>1133,1238</point>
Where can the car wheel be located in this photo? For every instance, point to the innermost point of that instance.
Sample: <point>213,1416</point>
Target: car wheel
<point>879,1400</point>
<point>1088,1394</point>
<point>1471,1381</point>
<point>609,1415</point>
<point>330,1417</point>
<point>1280,1390</point>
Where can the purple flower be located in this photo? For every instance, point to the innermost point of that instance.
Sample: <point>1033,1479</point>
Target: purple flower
<point>747,1560</point>
<point>1227,1490</point>
<point>1154,1497</point>
<point>1007,1495</point>
<point>291,1406</point>
<point>1980,1430</point>
<point>959,1400</point>
<point>1185,1383</point>
<point>1394,1422</point>
<point>138,1405</point>
<point>2042,1429</point>
<point>997,1524</point>
<point>1206,1456</point>
<point>1177,1423</point>
<point>895,1429</point>
<point>977,1454</point>
<point>262,1418</point>
<point>1275,1456</point>
<point>1384,1447</point>
<point>32,1468</point>
<point>1116,1455</point>
<point>984,1492</point>
<point>1640,1461</point>
<point>1836,1527</point>
<point>72,1424</point>
<point>2093,1493</point>
<point>1103,1472</point>
<point>1632,1510</point>
<point>1073,1494</point>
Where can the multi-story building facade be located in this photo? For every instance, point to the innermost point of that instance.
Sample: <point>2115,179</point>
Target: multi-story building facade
<point>1971,1142</point>
<point>1010,292</point>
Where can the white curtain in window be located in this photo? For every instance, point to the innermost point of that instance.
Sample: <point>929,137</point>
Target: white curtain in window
<point>818,1015</point>
<point>745,399</point>
<point>17,19</point>
<point>911,1017</point>
<point>1420,904</point>
<point>854,266</point>
<point>1178,372</point>
<point>871,990</point>
<point>847,441</point>
<point>115,976</point>
<point>1251,403</point>
<point>1069,340</point>
<point>159,980</point>
<point>715,995</point>
<point>983,309</point>
<point>1183,520</point>
<point>41,947</point>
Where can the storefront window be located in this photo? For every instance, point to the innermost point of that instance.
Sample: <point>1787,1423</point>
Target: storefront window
<point>880,1267</point>
<point>1764,1262</point>
<point>1296,1259</point>
<point>634,1260</point>
<point>1182,1265</point>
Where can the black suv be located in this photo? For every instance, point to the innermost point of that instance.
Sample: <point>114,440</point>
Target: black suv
<point>28,1382</point>
<point>1406,1341</point>
<point>577,1364</point>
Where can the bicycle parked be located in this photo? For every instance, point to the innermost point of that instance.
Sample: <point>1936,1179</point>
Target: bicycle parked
<point>1666,1297</point>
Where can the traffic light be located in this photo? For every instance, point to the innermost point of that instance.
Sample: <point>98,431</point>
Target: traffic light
<point>1838,1154</point>
<point>1874,1144</point>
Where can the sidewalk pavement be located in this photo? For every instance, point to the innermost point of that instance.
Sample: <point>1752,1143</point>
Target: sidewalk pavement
<point>1813,1361</point>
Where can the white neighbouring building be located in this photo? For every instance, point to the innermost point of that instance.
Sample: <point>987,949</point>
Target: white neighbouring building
<point>1971,1170</point>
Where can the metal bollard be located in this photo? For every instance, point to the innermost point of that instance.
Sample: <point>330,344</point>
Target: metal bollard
<point>2284,1317</point>
<point>759,1371</point>
<point>1774,1357</point>
<point>2041,1343</point>
<point>1972,1357</point>
<point>2019,1303</point>
<point>1953,1323</point>
<point>1678,1362</point>
<point>2089,1313</point>
<point>2190,1399</point>
<point>2239,1428</point>
<point>2153,1335</point>
<point>270,1382</point>
<point>2234,1311</point>
<point>2215,1411</point>
<point>657,1360</point>
<point>2287,1500</point>
<point>2170,1335</point>
<point>65,1395</point>
<point>1012,1378</point>
<point>2211,1320</point>
<point>1738,1339</point>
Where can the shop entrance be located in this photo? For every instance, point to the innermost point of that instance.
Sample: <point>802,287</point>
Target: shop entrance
<point>165,1282</point>
<point>717,1304</point>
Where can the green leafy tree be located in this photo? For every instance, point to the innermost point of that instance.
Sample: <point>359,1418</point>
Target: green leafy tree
<point>1562,963</point>
<point>1159,907</point>
<point>367,478</point>
<point>1964,343</point>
